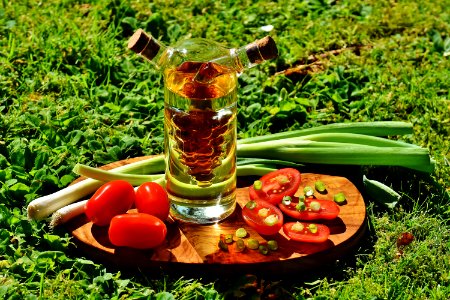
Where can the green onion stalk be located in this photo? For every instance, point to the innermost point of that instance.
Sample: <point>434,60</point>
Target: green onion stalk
<point>335,144</point>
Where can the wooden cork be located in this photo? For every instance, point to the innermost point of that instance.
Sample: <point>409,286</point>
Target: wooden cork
<point>143,44</point>
<point>261,50</point>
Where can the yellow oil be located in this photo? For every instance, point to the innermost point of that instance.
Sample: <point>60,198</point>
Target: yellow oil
<point>200,141</point>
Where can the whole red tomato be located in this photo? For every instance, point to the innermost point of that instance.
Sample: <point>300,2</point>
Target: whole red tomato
<point>151,198</point>
<point>111,199</point>
<point>137,230</point>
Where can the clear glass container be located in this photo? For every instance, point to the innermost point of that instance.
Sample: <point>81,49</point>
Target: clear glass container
<point>200,107</point>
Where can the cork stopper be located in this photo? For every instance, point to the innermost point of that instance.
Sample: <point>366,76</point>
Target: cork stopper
<point>144,44</point>
<point>261,50</point>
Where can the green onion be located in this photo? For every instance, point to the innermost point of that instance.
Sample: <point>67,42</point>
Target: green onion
<point>339,198</point>
<point>250,204</point>
<point>257,185</point>
<point>42,207</point>
<point>380,128</point>
<point>320,186</point>
<point>263,212</point>
<point>300,206</point>
<point>335,144</point>
<point>315,206</point>
<point>106,176</point>
<point>240,245</point>
<point>263,249</point>
<point>67,213</point>
<point>228,238</point>
<point>252,244</point>
<point>223,245</point>
<point>341,153</point>
<point>313,228</point>
<point>297,227</point>
<point>271,220</point>
<point>241,232</point>
<point>286,200</point>
<point>273,245</point>
<point>308,191</point>
<point>254,170</point>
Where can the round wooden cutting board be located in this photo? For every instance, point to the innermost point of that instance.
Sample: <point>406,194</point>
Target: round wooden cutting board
<point>194,248</point>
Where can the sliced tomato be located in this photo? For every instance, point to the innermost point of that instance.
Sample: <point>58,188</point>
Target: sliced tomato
<point>302,232</point>
<point>111,199</point>
<point>137,230</point>
<point>264,217</point>
<point>277,184</point>
<point>151,198</point>
<point>328,210</point>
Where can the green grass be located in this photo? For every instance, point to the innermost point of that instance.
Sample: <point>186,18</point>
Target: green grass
<point>71,92</point>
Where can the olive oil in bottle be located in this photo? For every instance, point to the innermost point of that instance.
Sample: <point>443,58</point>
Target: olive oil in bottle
<point>200,108</point>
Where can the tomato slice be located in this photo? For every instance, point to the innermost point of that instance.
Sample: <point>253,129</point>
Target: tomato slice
<point>137,230</point>
<point>151,198</point>
<point>306,232</point>
<point>328,210</point>
<point>111,199</point>
<point>263,216</point>
<point>276,185</point>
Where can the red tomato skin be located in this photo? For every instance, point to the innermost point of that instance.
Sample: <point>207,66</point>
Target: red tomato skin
<point>137,230</point>
<point>322,235</point>
<point>257,223</point>
<point>151,198</point>
<point>267,195</point>
<point>329,210</point>
<point>111,199</point>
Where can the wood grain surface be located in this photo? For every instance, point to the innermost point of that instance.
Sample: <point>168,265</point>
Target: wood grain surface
<point>190,247</point>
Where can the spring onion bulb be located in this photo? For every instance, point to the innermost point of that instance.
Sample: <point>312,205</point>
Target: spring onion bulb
<point>67,213</point>
<point>42,207</point>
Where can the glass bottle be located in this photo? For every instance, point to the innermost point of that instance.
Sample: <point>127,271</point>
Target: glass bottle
<point>200,107</point>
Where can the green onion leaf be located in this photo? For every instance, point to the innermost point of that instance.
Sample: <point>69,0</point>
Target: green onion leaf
<point>320,186</point>
<point>241,232</point>
<point>250,204</point>
<point>286,200</point>
<point>300,206</point>
<point>257,185</point>
<point>273,245</point>
<point>271,220</point>
<point>339,198</point>
<point>252,244</point>
<point>263,249</point>
<point>308,191</point>
<point>315,206</point>
<point>313,228</point>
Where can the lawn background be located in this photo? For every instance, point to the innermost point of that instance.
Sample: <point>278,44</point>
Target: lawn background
<point>70,91</point>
